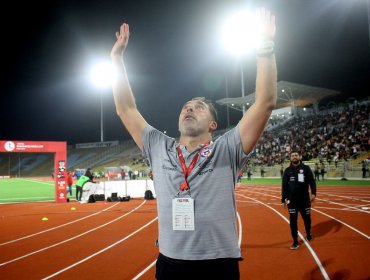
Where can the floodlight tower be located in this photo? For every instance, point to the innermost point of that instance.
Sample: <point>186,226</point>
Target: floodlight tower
<point>102,76</point>
<point>241,33</point>
<point>288,92</point>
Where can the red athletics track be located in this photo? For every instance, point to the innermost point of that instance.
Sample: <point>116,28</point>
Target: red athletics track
<point>116,240</point>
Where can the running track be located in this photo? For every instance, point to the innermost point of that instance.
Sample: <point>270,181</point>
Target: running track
<point>116,240</point>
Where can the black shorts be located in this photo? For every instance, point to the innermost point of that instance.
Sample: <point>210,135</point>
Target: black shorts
<point>222,269</point>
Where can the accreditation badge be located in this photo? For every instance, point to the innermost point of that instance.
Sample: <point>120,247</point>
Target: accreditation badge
<point>183,213</point>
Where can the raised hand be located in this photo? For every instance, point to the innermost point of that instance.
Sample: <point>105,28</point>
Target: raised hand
<point>267,21</point>
<point>122,40</point>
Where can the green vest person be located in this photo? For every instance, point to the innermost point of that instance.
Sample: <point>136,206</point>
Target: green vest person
<point>80,183</point>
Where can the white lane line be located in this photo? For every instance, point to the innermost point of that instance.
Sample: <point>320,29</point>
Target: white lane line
<point>360,206</point>
<point>335,208</point>
<point>72,238</point>
<point>54,228</point>
<point>154,262</point>
<point>339,221</point>
<point>361,190</point>
<point>323,200</point>
<point>145,270</point>
<point>346,197</point>
<point>344,205</point>
<point>30,199</point>
<point>36,181</point>
<point>316,258</point>
<point>101,251</point>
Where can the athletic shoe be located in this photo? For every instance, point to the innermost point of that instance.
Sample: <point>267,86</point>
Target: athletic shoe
<point>294,246</point>
<point>309,237</point>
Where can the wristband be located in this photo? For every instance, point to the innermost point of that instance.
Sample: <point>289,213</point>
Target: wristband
<point>268,54</point>
<point>266,48</point>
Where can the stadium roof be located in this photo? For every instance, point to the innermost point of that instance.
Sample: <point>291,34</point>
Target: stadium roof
<point>303,95</point>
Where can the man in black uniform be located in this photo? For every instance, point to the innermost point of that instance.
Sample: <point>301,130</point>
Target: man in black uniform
<point>296,180</point>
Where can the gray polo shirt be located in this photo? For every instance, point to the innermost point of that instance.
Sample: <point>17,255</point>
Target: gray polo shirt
<point>211,183</point>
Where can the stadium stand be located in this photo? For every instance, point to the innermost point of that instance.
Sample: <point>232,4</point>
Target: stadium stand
<point>325,134</point>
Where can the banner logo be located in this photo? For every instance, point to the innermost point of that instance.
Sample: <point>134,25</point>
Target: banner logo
<point>9,146</point>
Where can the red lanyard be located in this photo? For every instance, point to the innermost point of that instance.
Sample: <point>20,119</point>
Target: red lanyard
<point>187,170</point>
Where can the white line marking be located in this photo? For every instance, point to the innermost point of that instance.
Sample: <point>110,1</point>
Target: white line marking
<point>72,238</point>
<point>63,225</point>
<point>144,271</point>
<point>339,221</point>
<point>36,181</point>
<point>319,264</point>
<point>314,209</point>
<point>347,197</point>
<point>101,251</point>
<point>344,205</point>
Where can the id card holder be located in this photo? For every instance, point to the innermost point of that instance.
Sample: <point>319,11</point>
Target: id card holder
<point>300,178</point>
<point>183,213</point>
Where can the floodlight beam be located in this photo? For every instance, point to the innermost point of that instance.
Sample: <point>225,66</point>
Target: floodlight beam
<point>241,32</point>
<point>102,76</point>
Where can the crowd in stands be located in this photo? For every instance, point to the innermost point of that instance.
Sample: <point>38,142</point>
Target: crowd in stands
<point>330,135</point>
<point>326,137</point>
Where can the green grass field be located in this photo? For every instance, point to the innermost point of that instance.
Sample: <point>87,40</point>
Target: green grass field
<point>26,190</point>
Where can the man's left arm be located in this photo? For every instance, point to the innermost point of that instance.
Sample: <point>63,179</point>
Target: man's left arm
<point>254,120</point>
<point>284,187</point>
<point>312,183</point>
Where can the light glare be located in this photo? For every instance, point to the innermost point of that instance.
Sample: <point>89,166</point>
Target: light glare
<point>241,33</point>
<point>102,75</point>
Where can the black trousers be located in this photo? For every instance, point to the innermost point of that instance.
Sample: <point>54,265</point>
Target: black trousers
<point>78,193</point>
<point>305,211</point>
<point>217,269</point>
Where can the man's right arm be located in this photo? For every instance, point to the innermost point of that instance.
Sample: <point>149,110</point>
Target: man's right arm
<point>123,96</point>
<point>284,187</point>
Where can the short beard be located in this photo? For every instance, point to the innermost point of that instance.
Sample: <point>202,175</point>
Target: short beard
<point>190,131</point>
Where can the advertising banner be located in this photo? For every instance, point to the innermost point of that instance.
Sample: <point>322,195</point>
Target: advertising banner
<point>59,149</point>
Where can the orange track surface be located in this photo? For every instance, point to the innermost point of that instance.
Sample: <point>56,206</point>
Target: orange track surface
<point>116,240</point>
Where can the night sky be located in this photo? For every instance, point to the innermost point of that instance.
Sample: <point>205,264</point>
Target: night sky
<point>174,54</point>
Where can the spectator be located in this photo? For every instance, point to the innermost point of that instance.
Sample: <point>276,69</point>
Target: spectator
<point>317,172</point>
<point>69,182</point>
<point>123,174</point>
<point>364,169</point>
<point>262,171</point>
<point>322,169</point>
<point>240,176</point>
<point>345,169</point>
<point>249,174</point>
<point>281,170</point>
<point>89,174</point>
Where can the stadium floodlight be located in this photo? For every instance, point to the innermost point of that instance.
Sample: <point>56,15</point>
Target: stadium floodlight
<point>102,76</point>
<point>241,32</point>
<point>289,95</point>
